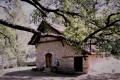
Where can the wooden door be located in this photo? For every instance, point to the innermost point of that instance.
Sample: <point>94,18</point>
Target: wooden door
<point>48,60</point>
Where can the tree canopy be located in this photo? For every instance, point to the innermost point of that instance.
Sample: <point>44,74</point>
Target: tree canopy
<point>94,22</point>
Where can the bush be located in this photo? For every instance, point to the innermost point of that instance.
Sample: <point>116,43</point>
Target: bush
<point>35,69</point>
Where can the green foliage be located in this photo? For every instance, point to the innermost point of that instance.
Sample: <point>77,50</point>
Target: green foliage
<point>36,16</point>
<point>116,48</point>
<point>91,18</point>
<point>10,44</point>
<point>7,49</point>
<point>9,33</point>
<point>77,30</point>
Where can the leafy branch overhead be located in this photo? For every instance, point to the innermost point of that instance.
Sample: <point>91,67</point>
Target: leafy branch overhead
<point>45,11</point>
<point>108,25</point>
<point>23,28</point>
<point>87,21</point>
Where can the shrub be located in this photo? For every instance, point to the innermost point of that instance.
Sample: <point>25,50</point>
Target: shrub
<point>35,69</point>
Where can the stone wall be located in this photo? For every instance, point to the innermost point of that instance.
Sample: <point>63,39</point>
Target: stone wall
<point>67,64</point>
<point>97,58</point>
<point>85,65</point>
<point>55,48</point>
<point>64,53</point>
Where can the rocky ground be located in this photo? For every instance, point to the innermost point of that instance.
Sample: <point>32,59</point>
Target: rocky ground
<point>103,70</point>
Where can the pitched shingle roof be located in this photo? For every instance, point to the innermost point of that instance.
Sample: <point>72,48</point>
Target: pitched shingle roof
<point>35,38</point>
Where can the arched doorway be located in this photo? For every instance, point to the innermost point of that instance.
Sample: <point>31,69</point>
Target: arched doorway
<point>48,60</point>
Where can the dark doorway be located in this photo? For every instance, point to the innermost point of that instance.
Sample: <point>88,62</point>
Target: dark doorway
<point>48,60</point>
<point>78,64</point>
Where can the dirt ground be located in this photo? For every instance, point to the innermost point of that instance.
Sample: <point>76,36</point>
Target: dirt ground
<point>27,74</point>
<point>103,70</point>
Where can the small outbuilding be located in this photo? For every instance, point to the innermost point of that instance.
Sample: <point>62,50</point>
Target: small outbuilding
<point>55,51</point>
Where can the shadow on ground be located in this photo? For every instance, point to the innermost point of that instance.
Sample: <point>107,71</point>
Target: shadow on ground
<point>29,75</point>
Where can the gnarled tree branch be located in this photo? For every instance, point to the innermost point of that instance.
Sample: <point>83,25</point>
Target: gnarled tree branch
<point>23,28</point>
<point>36,6</point>
<point>18,27</point>
<point>108,18</point>
<point>103,28</point>
<point>44,10</point>
<point>7,11</point>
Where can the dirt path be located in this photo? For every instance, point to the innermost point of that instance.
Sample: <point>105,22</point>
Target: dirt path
<point>103,70</point>
<point>4,71</point>
<point>30,75</point>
